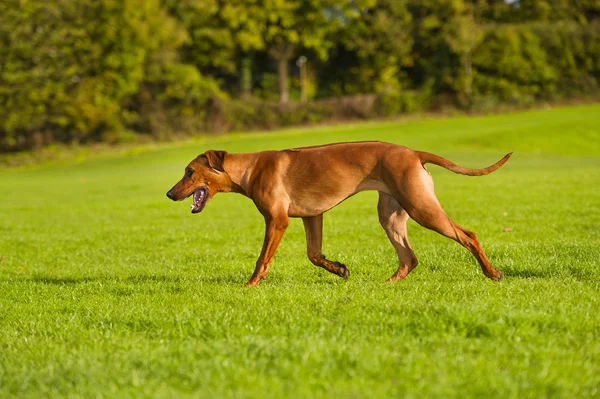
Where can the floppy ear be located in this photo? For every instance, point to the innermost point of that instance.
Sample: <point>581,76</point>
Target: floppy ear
<point>216,159</point>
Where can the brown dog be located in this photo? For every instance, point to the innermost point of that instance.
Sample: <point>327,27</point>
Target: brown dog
<point>306,182</point>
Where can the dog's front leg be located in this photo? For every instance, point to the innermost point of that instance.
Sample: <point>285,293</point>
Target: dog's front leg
<point>275,227</point>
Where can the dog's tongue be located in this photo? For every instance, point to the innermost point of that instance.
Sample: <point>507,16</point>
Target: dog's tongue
<point>198,198</point>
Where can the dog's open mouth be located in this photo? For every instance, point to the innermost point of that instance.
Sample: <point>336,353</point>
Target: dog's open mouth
<point>199,199</point>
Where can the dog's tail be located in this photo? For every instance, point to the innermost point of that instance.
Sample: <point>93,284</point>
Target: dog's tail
<point>427,157</point>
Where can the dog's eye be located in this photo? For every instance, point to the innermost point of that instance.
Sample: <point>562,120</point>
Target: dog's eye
<point>189,172</point>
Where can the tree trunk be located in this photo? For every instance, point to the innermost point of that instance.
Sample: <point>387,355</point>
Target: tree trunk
<point>282,52</point>
<point>282,77</point>
<point>302,66</point>
<point>246,78</point>
<point>468,66</point>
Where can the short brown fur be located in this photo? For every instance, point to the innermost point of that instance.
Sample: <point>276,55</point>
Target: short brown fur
<point>306,182</point>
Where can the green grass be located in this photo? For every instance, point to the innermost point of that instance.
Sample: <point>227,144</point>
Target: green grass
<point>109,289</point>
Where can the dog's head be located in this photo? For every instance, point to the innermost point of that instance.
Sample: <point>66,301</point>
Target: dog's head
<point>203,178</point>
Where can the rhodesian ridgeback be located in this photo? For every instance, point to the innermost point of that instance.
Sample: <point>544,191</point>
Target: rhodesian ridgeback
<point>306,182</point>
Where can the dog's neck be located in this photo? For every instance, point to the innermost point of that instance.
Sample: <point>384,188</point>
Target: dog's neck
<point>239,168</point>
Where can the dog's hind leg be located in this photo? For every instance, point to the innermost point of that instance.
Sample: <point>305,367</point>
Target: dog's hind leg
<point>313,227</point>
<point>416,195</point>
<point>393,220</point>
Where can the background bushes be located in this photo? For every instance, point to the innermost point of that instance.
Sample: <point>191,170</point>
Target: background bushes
<point>90,70</point>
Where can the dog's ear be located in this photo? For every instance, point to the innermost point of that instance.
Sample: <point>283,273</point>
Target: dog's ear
<point>215,159</point>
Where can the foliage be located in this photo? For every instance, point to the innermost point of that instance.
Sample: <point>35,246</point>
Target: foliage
<point>236,115</point>
<point>84,70</point>
<point>69,68</point>
<point>463,35</point>
<point>373,48</point>
<point>574,54</point>
<point>523,63</point>
<point>512,64</point>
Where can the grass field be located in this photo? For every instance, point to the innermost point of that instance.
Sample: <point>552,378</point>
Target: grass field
<point>108,289</point>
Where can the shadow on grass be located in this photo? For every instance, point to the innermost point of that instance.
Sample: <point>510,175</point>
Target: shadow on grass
<point>527,273</point>
<point>60,280</point>
<point>151,278</point>
<point>575,273</point>
<point>141,278</point>
<point>235,279</point>
<point>136,278</point>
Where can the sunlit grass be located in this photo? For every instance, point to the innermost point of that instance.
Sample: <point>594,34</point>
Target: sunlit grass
<point>107,288</point>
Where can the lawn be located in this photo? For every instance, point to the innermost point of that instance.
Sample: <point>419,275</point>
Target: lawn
<point>108,289</point>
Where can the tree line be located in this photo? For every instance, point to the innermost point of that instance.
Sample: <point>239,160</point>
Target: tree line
<point>84,70</point>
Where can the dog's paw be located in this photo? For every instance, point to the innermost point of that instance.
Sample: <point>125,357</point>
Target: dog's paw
<point>497,276</point>
<point>345,273</point>
<point>343,270</point>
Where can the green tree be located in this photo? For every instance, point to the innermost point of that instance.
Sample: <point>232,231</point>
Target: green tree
<point>223,36</point>
<point>374,46</point>
<point>67,68</point>
<point>211,45</point>
<point>463,34</point>
<point>310,24</point>
<point>512,65</point>
<point>434,60</point>
<point>245,20</point>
